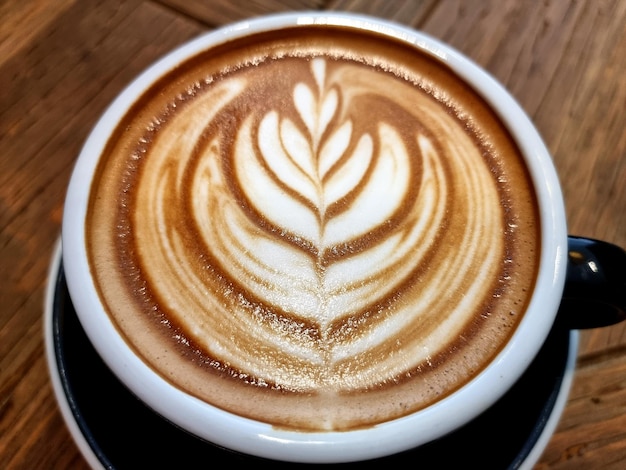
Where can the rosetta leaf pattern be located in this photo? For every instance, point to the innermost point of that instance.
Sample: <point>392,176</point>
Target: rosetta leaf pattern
<point>320,160</point>
<point>307,162</point>
<point>313,231</point>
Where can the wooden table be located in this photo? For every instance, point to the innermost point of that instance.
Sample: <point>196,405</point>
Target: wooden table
<point>62,61</point>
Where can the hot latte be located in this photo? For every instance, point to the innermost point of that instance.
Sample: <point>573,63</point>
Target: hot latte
<point>318,228</point>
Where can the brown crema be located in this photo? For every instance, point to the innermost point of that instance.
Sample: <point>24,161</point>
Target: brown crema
<point>318,228</point>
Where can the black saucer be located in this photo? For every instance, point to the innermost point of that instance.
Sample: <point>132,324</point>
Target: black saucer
<point>116,431</point>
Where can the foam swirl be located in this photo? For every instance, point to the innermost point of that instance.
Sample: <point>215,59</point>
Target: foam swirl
<point>316,235</point>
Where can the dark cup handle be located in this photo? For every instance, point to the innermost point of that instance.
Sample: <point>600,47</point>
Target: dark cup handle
<point>595,286</point>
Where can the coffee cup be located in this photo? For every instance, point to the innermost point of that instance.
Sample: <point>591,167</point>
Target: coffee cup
<point>321,237</point>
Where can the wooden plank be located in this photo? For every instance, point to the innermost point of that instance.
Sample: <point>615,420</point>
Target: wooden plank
<point>401,11</point>
<point>585,133</point>
<point>18,18</point>
<point>593,427</point>
<point>220,12</point>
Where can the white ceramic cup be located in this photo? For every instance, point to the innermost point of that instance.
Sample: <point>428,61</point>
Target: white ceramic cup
<point>256,438</point>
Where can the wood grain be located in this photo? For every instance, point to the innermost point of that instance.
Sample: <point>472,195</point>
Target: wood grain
<point>62,62</point>
<point>593,428</point>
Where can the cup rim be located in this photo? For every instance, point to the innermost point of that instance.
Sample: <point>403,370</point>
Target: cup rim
<point>256,438</point>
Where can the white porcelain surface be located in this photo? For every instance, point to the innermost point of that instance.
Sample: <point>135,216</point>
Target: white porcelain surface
<point>261,439</point>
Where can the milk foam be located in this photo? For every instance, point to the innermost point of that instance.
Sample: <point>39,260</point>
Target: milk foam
<point>317,227</point>
<point>320,186</point>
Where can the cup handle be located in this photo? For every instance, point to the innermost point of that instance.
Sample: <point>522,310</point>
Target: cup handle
<point>595,285</point>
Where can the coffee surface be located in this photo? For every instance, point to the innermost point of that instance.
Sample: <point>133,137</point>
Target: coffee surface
<point>317,228</point>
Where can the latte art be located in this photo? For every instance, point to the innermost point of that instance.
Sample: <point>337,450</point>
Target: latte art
<point>314,228</point>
